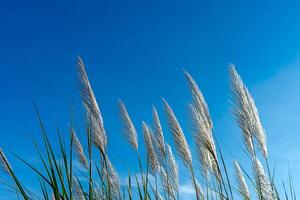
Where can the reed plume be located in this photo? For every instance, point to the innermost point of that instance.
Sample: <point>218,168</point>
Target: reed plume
<point>151,155</point>
<point>112,177</point>
<point>78,149</point>
<point>58,176</point>
<point>94,115</point>
<point>97,192</point>
<point>158,134</point>
<point>181,144</point>
<point>203,153</point>
<point>155,144</point>
<point>77,192</point>
<point>242,185</point>
<point>263,185</point>
<point>246,114</point>
<point>199,101</point>
<point>203,126</point>
<point>173,171</point>
<point>128,126</point>
<point>165,182</point>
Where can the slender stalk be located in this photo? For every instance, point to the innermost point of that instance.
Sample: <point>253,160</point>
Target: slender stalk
<point>194,181</point>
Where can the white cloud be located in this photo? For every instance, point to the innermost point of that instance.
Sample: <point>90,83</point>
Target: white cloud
<point>186,191</point>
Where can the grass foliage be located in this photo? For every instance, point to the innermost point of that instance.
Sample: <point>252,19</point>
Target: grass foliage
<point>97,179</point>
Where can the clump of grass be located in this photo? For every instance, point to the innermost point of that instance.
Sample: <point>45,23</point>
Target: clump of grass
<point>97,178</point>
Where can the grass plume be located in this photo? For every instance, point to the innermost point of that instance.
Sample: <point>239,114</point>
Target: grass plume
<point>100,180</point>
<point>128,126</point>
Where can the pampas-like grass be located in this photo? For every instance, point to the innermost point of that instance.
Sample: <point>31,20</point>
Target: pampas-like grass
<point>158,134</point>
<point>77,147</point>
<point>173,171</point>
<point>199,101</point>
<point>202,142</point>
<point>151,155</point>
<point>97,193</point>
<point>56,180</point>
<point>94,115</point>
<point>203,125</point>
<point>167,187</point>
<point>182,146</point>
<point>77,192</point>
<point>246,114</point>
<point>263,185</point>
<point>128,126</point>
<point>113,178</point>
<point>242,185</point>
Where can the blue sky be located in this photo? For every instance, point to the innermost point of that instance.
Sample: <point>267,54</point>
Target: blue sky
<point>135,51</point>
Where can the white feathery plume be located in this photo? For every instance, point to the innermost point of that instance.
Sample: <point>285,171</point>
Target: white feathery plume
<point>151,155</point>
<point>99,139</point>
<point>202,116</point>
<point>204,158</point>
<point>113,178</point>
<point>77,192</point>
<point>97,191</point>
<point>199,101</point>
<point>263,185</point>
<point>87,93</point>
<point>242,185</point>
<point>259,131</point>
<point>241,108</point>
<point>4,164</point>
<point>158,133</point>
<point>173,171</point>
<point>159,157</point>
<point>203,126</point>
<point>77,147</point>
<point>178,136</point>
<point>128,126</point>
<point>246,114</point>
<point>93,112</point>
<point>206,150</point>
<point>165,182</point>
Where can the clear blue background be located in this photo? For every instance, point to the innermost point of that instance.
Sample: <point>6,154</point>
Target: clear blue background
<point>135,51</point>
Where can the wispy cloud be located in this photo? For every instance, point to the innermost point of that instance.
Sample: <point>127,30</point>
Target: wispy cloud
<point>186,191</point>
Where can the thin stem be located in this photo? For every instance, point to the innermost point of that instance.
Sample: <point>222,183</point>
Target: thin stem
<point>194,181</point>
